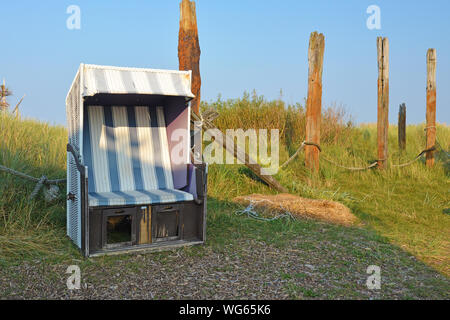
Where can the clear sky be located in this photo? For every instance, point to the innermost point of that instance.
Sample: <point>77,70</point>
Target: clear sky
<point>246,45</point>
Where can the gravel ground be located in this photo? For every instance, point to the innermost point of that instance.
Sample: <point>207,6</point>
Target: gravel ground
<point>246,269</point>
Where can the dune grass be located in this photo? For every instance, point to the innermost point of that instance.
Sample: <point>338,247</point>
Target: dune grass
<point>31,229</point>
<point>407,205</point>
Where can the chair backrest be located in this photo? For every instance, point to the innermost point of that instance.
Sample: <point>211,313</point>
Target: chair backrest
<point>126,148</point>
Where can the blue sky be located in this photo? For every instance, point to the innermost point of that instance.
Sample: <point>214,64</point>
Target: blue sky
<point>245,45</point>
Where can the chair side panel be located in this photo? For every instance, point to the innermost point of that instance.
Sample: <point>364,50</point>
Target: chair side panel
<point>73,111</point>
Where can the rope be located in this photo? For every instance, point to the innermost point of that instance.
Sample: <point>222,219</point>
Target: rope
<point>40,182</point>
<point>25,176</point>
<point>437,142</point>
<point>304,143</point>
<point>293,156</point>
<point>307,143</point>
<point>442,149</point>
<point>415,159</point>
<point>313,144</point>
<point>251,213</point>
<point>372,165</point>
<point>38,187</point>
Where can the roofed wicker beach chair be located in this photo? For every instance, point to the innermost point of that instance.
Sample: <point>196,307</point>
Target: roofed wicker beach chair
<point>131,184</point>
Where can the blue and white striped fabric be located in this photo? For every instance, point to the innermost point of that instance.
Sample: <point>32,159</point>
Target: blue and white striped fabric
<point>127,154</point>
<point>108,79</point>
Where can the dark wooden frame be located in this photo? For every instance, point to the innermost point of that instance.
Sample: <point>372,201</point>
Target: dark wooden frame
<point>186,208</point>
<point>114,211</point>
<point>191,227</point>
<point>157,212</point>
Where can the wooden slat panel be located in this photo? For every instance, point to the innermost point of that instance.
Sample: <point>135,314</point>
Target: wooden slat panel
<point>145,229</point>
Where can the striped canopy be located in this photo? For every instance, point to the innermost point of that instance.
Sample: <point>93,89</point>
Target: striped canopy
<point>118,80</point>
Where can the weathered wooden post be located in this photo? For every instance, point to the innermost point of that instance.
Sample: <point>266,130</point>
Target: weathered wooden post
<point>383,100</point>
<point>431,105</point>
<point>402,127</point>
<point>314,99</point>
<point>189,48</point>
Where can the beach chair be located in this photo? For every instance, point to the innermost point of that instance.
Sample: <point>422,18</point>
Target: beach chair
<point>131,184</point>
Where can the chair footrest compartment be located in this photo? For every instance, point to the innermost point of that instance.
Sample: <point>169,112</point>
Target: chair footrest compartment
<point>119,227</point>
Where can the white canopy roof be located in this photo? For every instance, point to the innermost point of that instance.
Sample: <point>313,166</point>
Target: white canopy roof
<point>107,79</point>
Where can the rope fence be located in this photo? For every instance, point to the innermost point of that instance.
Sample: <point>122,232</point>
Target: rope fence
<point>372,165</point>
<point>416,158</point>
<point>40,182</point>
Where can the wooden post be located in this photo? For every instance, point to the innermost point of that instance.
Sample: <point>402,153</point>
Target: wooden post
<point>383,100</point>
<point>314,99</point>
<point>431,105</point>
<point>402,127</point>
<point>189,48</point>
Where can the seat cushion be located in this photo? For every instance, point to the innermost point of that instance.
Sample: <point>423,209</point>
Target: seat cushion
<point>141,197</point>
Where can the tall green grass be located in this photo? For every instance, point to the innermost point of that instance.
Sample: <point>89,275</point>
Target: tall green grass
<point>407,205</point>
<point>255,112</point>
<point>30,228</point>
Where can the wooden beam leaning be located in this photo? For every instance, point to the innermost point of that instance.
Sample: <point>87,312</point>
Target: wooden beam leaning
<point>237,151</point>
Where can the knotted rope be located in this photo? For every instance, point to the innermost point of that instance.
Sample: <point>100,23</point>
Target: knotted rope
<point>40,182</point>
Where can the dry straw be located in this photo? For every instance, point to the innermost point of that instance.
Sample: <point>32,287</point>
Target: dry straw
<point>322,210</point>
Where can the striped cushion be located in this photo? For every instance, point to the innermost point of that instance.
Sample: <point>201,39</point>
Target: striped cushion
<point>137,197</point>
<point>127,154</point>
